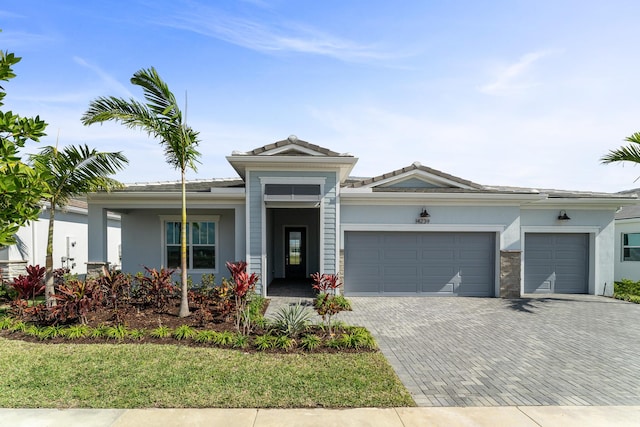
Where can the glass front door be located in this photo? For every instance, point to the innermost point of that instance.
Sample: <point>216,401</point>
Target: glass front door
<point>294,253</point>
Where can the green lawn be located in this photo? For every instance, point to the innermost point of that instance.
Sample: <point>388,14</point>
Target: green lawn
<point>150,375</point>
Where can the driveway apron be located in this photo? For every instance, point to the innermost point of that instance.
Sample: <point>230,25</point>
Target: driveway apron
<point>550,350</point>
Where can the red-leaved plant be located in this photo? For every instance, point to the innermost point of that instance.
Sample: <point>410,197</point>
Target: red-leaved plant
<point>328,303</point>
<point>27,288</point>
<point>243,285</point>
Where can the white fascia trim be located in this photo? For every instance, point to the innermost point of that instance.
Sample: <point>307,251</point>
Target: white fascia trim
<point>293,180</point>
<point>627,221</point>
<point>286,148</point>
<point>418,228</point>
<point>583,202</point>
<point>289,163</point>
<point>558,229</point>
<point>173,195</point>
<point>361,198</point>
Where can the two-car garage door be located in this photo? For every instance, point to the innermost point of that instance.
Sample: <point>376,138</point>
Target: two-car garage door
<point>427,263</point>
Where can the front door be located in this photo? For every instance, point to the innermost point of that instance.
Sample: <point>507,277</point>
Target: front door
<point>295,259</point>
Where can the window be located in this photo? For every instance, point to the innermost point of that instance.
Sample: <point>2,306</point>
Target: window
<point>201,245</point>
<point>631,246</point>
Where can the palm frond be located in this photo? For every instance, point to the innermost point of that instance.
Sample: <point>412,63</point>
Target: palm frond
<point>77,170</point>
<point>627,153</point>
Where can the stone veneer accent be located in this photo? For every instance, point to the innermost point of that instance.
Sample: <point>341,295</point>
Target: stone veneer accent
<point>94,268</point>
<point>510,262</point>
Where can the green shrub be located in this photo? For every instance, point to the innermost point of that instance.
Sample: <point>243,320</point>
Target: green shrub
<point>76,332</point>
<point>292,320</point>
<point>264,342</point>
<point>99,332</point>
<point>627,290</point>
<point>204,337</point>
<point>161,332</point>
<point>5,322</point>
<point>184,332</point>
<point>224,338</point>
<point>118,332</point>
<point>285,342</point>
<point>240,341</point>
<point>310,342</point>
<point>18,326</point>
<point>358,337</point>
<point>137,334</point>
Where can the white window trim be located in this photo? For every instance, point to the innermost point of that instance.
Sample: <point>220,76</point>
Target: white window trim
<point>623,247</point>
<point>195,218</point>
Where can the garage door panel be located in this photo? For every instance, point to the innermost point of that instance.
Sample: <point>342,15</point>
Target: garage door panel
<point>437,287</point>
<point>556,263</point>
<point>436,254</point>
<point>401,255</point>
<point>426,262</point>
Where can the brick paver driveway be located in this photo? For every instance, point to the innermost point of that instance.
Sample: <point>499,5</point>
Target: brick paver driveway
<point>553,350</point>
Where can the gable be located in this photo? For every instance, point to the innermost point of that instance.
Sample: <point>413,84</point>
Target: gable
<point>292,146</point>
<point>414,177</point>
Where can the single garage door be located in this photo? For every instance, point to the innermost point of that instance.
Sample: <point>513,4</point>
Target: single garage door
<point>556,263</point>
<point>419,263</point>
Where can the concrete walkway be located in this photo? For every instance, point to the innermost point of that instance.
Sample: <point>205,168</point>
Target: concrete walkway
<point>515,416</point>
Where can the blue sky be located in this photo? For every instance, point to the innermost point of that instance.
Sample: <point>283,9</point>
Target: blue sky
<point>521,93</point>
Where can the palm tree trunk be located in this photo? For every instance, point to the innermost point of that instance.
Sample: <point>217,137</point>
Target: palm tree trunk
<point>184,300</point>
<point>48,283</point>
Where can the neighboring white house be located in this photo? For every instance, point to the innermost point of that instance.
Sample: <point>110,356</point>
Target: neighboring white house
<point>70,246</point>
<point>295,210</point>
<point>627,253</point>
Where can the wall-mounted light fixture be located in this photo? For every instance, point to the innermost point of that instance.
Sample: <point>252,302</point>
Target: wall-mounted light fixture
<point>423,217</point>
<point>562,216</point>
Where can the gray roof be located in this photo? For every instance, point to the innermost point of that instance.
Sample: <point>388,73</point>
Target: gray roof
<point>196,186</point>
<point>291,141</point>
<point>565,194</point>
<point>414,166</point>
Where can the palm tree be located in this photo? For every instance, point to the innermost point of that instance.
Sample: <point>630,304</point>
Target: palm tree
<point>628,153</point>
<point>161,118</point>
<point>71,172</point>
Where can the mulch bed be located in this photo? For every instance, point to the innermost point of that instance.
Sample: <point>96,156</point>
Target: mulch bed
<point>134,317</point>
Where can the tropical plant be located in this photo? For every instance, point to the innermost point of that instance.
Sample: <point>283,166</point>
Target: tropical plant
<point>73,171</point>
<point>21,186</point>
<point>161,331</point>
<point>204,337</point>
<point>328,302</point>
<point>310,342</point>
<point>264,342</point>
<point>183,332</point>
<point>30,286</point>
<point>291,320</point>
<point>358,337</point>
<point>162,118</point>
<point>155,288</point>
<point>627,153</point>
<point>75,332</point>
<point>224,338</point>
<point>75,299</point>
<point>243,286</point>
<point>118,332</point>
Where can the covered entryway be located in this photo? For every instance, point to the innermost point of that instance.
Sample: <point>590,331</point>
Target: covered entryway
<point>293,250</point>
<point>556,263</point>
<point>426,263</point>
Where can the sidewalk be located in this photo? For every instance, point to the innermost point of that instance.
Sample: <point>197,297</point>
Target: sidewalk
<point>513,416</point>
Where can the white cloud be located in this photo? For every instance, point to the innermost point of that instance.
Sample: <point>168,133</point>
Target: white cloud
<point>109,80</point>
<point>513,78</point>
<point>272,37</point>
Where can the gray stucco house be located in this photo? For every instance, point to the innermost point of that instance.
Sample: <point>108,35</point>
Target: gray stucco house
<point>294,210</point>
